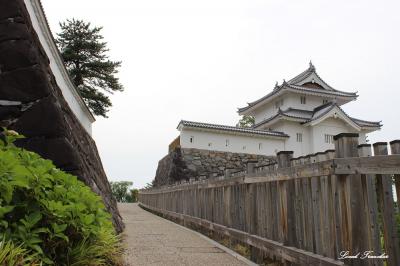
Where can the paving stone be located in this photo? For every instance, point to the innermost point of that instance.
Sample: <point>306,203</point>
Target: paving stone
<point>152,240</point>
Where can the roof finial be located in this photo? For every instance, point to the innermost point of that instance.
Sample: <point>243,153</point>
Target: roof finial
<point>311,65</point>
<point>276,85</point>
<point>284,82</point>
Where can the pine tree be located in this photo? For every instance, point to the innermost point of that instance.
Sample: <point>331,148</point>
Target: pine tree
<point>246,121</point>
<point>85,56</point>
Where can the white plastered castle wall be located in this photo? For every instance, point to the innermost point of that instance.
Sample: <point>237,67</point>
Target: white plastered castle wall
<point>291,144</point>
<point>217,141</point>
<point>290,100</point>
<point>57,66</point>
<point>294,101</point>
<point>332,126</point>
<point>313,137</point>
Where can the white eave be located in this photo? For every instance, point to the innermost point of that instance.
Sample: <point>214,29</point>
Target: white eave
<point>341,99</point>
<point>57,66</point>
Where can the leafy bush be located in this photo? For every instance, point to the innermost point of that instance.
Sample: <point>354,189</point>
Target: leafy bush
<point>51,213</point>
<point>135,195</point>
<point>120,191</point>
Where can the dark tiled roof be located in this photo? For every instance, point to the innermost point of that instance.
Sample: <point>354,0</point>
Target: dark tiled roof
<point>364,123</point>
<point>291,85</point>
<point>305,74</point>
<point>306,116</point>
<point>323,91</point>
<point>232,129</point>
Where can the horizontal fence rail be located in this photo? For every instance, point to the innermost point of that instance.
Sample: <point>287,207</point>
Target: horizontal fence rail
<point>311,210</point>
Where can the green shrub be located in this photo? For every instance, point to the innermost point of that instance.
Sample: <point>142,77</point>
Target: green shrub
<point>135,195</point>
<point>51,213</point>
<point>120,191</point>
<point>12,255</point>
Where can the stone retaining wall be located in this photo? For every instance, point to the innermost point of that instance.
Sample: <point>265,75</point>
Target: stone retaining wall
<point>32,104</point>
<point>183,164</point>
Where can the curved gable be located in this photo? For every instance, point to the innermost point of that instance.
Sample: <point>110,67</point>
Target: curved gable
<point>335,113</point>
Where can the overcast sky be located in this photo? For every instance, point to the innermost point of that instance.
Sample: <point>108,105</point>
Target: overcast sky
<point>201,60</point>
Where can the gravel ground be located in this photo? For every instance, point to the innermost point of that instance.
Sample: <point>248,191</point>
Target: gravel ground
<point>152,240</point>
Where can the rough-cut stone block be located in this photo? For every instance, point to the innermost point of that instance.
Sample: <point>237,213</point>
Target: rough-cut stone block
<point>13,31</point>
<point>50,124</point>
<point>9,8</point>
<point>60,150</point>
<point>17,54</point>
<point>25,85</point>
<point>8,112</point>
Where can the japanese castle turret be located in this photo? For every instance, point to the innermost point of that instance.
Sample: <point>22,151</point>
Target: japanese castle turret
<point>300,115</point>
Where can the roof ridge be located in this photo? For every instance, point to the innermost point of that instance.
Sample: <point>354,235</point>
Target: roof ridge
<point>231,127</point>
<point>324,91</point>
<point>322,106</point>
<point>305,73</point>
<point>366,121</point>
<point>296,109</point>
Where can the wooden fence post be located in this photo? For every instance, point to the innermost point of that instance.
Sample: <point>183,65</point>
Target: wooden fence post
<point>287,214</point>
<point>353,232</point>
<point>251,211</point>
<point>371,206</point>
<point>385,198</point>
<point>395,147</point>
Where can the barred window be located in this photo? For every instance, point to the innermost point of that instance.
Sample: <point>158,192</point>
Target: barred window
<point>299,137</point>
<point>328,138</point>
<point>303,99</point>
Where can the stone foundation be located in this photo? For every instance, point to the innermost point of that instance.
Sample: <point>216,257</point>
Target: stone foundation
<point>183,164</point>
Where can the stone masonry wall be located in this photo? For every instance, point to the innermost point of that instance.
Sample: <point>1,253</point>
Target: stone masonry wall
<point>183,164</point>
<point>38,109</point>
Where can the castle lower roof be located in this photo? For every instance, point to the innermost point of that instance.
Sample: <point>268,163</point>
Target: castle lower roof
<point>231,129</point>
<point>307,116</point>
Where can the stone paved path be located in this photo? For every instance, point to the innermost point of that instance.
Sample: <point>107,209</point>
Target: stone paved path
<point>152,240</point>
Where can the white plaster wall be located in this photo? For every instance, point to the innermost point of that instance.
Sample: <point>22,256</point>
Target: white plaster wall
<point>312,102</point>
<point>314,137</point>
<point>67,89</point>
<point>202,139</point>
<point>329,126</point>
<point>362,139</point>
<point>291,144</point>
<point>290,100</point>
<point>265,112</point>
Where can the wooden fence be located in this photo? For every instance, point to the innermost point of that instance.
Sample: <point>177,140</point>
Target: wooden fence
<point>305,211</point>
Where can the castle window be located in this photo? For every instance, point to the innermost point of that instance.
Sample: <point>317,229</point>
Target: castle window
<point>303,99</point>
<point>209,144</point>
<point>191,139</point>
<point>328,138</point>
<point>299,137</point>
<point>260,146</point>
<point>244,147</point>
<point>227,142</point>
<point>324,101</point>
